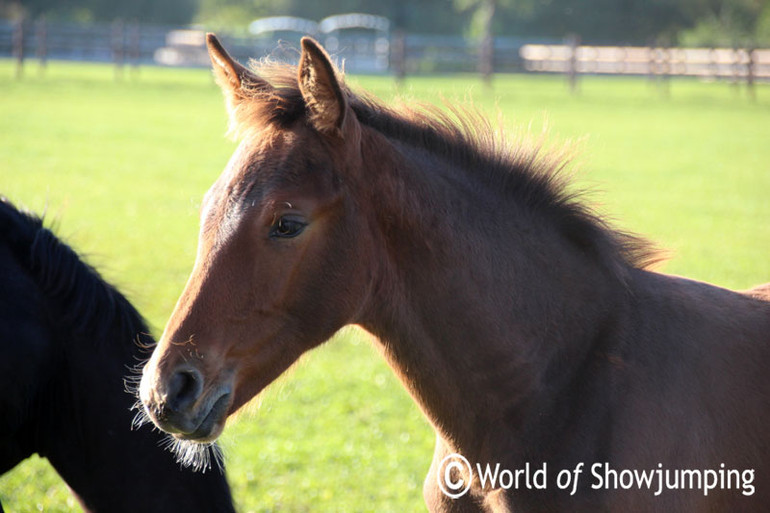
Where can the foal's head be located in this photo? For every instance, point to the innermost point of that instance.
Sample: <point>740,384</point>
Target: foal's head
<point>282,257</point>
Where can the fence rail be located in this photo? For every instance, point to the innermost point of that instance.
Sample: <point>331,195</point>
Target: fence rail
<point>618,60</point>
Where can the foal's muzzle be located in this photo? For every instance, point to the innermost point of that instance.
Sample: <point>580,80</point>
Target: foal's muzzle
<point>178,406</point>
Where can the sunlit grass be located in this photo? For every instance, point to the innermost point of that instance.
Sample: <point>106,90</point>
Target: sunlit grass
<point>121,166</point>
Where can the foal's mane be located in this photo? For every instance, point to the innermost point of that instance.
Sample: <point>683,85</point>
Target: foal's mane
<point>83,303</point>
<point>528,175</point>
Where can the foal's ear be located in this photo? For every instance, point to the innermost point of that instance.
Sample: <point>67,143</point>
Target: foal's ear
<point>234,79</point>
<point>321,88</point>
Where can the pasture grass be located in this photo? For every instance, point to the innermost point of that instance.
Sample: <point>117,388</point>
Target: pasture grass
<point>121,166</point>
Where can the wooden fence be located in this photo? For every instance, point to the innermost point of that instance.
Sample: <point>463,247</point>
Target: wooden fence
<point>717,63</point>
<point>123,43</point>
<point>127,43</point>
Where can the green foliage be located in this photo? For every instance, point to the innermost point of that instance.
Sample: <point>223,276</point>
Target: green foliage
<point>425,16</point>
<point>762,33</point>
<point>237,14</point>
<point>702,22</point>
<point>152,11</point>
<point>122,166</point>
<point>730,23</point>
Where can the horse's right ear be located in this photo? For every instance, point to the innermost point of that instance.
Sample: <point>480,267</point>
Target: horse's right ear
<point>234,79</point>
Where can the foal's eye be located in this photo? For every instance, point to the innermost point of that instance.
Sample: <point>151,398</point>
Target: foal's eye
<point>287,227</point>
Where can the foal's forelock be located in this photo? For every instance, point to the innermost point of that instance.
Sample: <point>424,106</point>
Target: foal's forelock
<point>257,108</point>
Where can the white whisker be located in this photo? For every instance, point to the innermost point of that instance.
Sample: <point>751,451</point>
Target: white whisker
<point>141,418</point>
<point>198,456</point>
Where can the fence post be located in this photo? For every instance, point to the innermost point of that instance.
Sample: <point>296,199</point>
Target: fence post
<point>18,47</point>
<point>667,69</point>
<point>398,54</point>
<point>41,43</point>
<point>714,64</point>
<point>573,42</point>
<point>487,47</point>
<point>750,73</point>
<point>735,79</point>
<point>133,47</point>
<point>118,47</point>
<point>650,62</point>
<point>660,66</point>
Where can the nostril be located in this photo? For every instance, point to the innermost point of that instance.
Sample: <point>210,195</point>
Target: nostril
<point>184,388</point>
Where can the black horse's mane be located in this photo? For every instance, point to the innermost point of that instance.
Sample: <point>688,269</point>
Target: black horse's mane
<point>83,302</point>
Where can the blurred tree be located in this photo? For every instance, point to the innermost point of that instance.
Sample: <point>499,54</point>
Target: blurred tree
<point>726,22</point>
<point>596,21</point>
<point>167,11</point>
<point>425,16</point>
<point>237,14</point>
<point>762,32</point>
<point>606,21</point>
<point>485,19</point>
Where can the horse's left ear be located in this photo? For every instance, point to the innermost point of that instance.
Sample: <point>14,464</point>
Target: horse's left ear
<point>321,89</point>
<point>236,81</point>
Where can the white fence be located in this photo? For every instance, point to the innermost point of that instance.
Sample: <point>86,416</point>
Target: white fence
<point>729,63</point>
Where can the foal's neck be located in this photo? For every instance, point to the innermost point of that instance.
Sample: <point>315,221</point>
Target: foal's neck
<point>485,312</point>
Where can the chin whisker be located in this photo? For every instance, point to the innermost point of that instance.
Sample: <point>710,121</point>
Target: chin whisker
<point>198,456</point>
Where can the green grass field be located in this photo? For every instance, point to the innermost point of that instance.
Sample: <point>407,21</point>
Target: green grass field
<point>121,167</point>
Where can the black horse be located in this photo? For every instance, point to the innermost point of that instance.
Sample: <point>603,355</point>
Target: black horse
<point>67,339</point>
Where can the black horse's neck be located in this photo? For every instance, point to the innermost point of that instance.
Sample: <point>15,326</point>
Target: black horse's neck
<point>75,340</point>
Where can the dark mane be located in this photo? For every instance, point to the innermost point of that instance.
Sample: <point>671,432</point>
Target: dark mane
<point>85,305</point>
<point>530,176</point>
